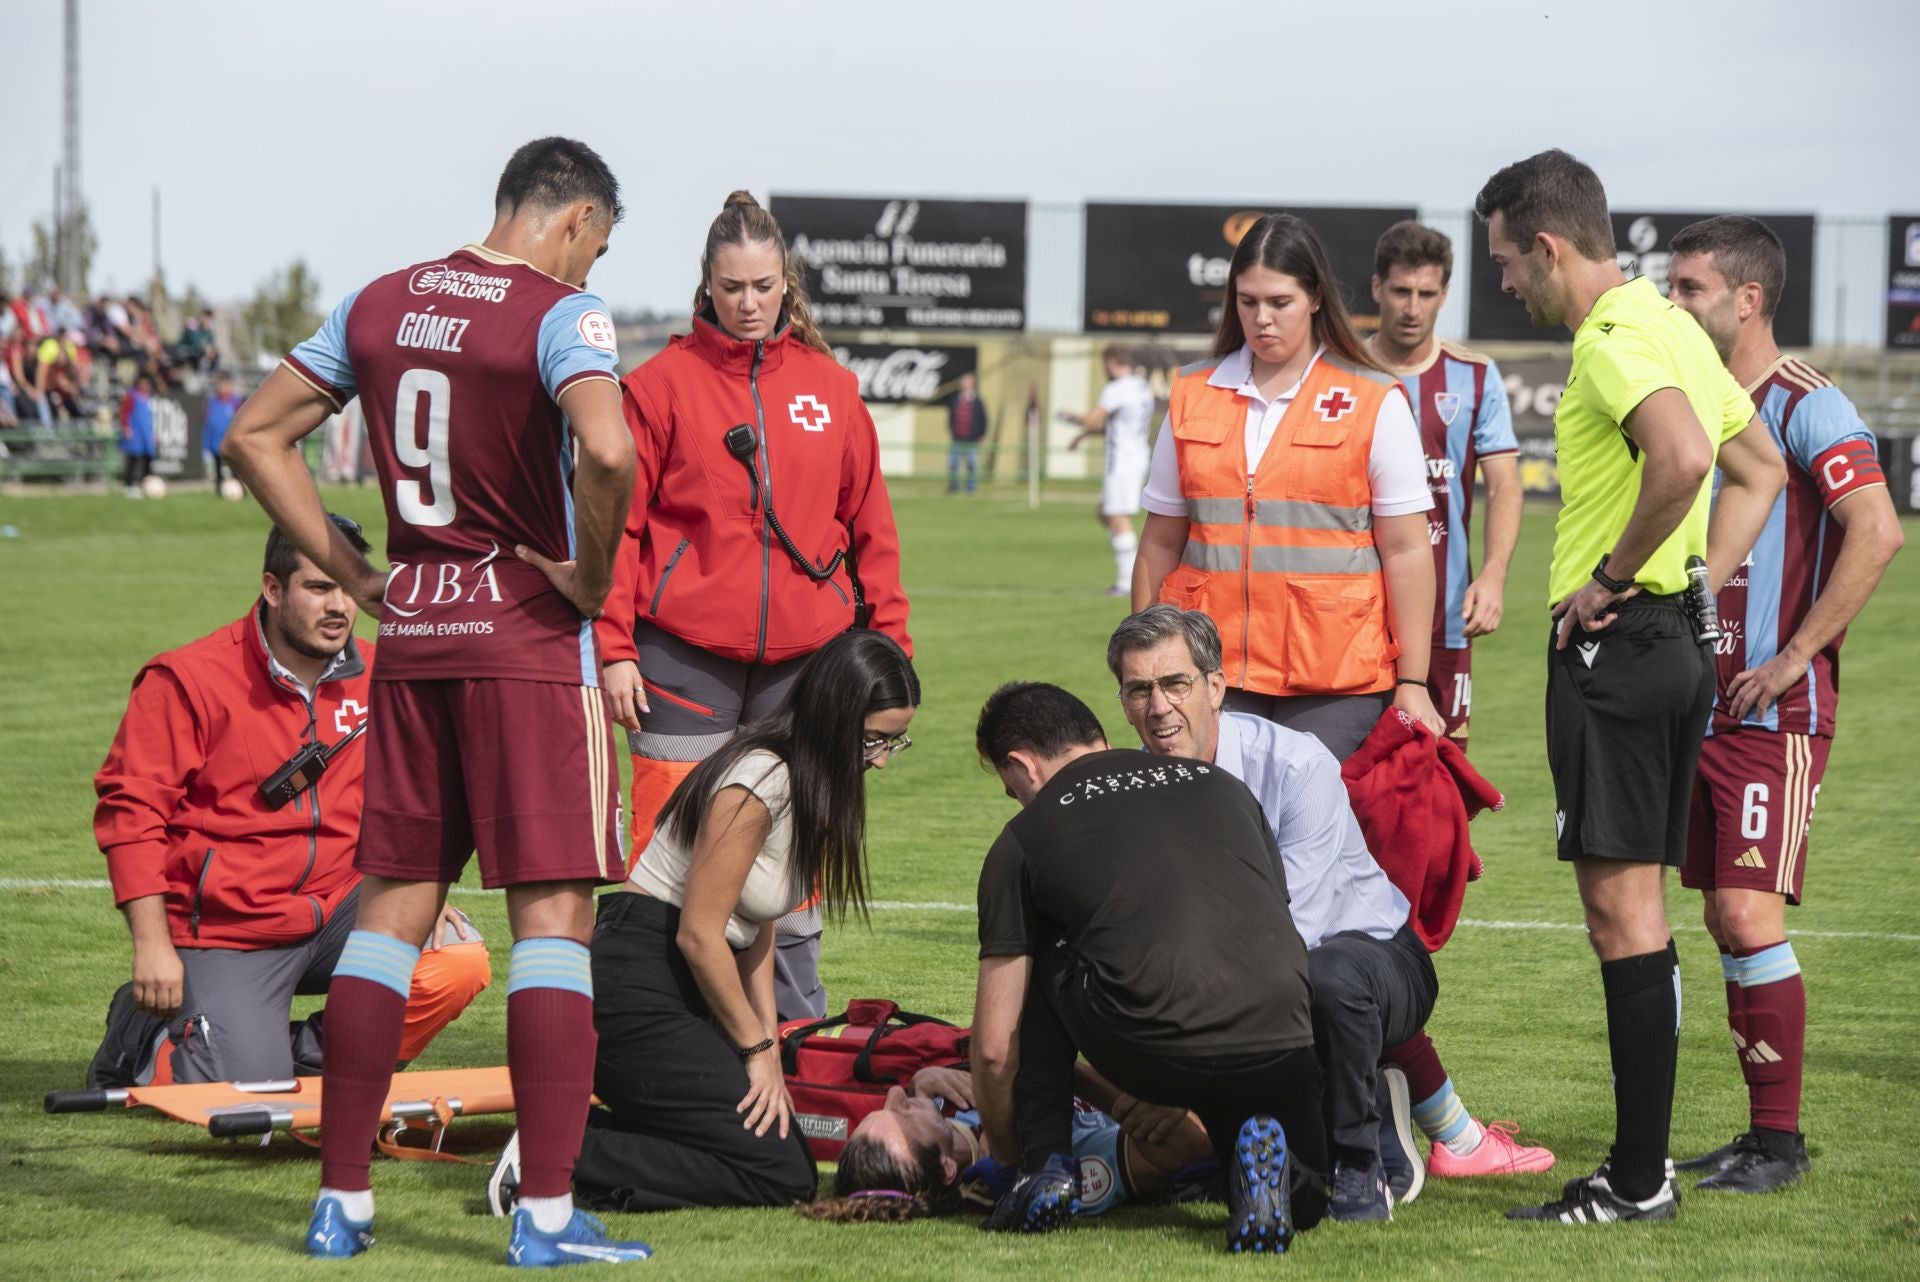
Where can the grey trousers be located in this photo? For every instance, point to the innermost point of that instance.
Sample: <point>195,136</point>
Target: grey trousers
<point>234,1024</point>
<point>1341,722</point>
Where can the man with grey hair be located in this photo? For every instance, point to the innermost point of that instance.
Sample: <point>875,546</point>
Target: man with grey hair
<point>1373,982</point>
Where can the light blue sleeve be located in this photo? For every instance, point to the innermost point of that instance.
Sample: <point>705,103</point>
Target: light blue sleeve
<point>1096,1147</point>
<point>325,354</point>
<point>576,340</point>
<point>1823,418</point>
<point>1493,429</point>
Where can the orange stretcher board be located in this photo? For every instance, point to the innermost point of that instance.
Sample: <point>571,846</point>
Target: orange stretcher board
<point>257,1108</point>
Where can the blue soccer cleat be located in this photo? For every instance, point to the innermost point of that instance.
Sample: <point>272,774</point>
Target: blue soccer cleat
<point>333,1236</point>
<point>1040,1201</point>
<point>1260,1189</point>
<point>583,1241</point>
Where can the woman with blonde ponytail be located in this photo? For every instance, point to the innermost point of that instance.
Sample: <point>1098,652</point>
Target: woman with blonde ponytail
<point>760,530</point>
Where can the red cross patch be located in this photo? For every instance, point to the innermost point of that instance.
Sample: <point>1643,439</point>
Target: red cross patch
<point>807,411</point>
<point>1334,404</point>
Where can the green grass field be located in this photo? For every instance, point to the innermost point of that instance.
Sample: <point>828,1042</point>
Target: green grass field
<point>95,585</point>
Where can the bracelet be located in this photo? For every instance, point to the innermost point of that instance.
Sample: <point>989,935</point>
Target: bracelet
<point>1612,585</point>
<point>748,1052</point>
<point>1409,681</point>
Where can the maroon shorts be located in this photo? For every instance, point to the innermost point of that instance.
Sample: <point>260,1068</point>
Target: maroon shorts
<point>521,771</point>
<point>1450,682</point>
<point>1752,801</point>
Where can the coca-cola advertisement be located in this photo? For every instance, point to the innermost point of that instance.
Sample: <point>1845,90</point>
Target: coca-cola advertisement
<point>1642,241</point>
<point>899,263</point>
<point>919,375</point>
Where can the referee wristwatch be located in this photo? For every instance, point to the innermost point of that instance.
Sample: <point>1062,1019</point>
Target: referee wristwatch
<point>1612,585</point>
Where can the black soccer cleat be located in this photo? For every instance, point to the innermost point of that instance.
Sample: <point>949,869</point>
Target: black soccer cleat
<point>1260,1189</point>
<point>1360,1193</point>
<point>1761,1164</point>
<point>1721,1158</point>
<point>1590,1199</point>
<point>1039,1201</point>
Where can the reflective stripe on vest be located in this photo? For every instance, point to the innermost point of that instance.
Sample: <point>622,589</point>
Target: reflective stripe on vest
<point>1281,559</point>
<point>1292,513</point>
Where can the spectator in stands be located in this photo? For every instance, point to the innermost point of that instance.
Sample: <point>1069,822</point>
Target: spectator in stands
<point>196,348</point>
<point>220,410</point>
<point>29,382</point>
<point>59,363</point>
<point>237,903</point>
<point>136,435</point>
<point>8,419</point>
<point>967,426</point>
<point>27,319</point>
<point>61,312</point>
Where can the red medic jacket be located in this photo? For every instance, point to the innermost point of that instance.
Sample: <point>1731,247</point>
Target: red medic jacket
<point>1413,795</point>
<point>699,559</point>
<point>180,813</point>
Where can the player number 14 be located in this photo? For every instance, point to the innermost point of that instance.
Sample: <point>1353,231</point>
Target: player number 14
<point>408,494</point>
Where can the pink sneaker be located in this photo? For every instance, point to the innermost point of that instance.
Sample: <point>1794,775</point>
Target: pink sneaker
<point>1498,1154</point>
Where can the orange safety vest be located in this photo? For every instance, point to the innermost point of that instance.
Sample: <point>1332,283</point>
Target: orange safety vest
<point>1284,560</point>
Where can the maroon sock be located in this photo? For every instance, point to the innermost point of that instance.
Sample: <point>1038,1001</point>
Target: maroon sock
<point>550,1050</point>
<point>1426,1075</point>
<point>1775,1019</point>
<point>360,1041</point>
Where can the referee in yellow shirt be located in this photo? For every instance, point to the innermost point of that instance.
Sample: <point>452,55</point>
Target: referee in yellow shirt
<point>1629,680</point>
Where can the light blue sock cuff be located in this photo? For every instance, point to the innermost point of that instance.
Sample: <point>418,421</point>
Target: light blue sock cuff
<point>1769,966</point>
<point>550,963</point>
<point>379,959</point>
<point>1441,1116</point>
<point>1730,968</point>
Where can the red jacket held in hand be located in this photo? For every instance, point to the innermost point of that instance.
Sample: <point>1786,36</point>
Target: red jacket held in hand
<point>699,559</point>
<point>180,812</point>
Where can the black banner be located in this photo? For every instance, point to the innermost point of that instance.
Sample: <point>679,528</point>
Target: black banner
<point>1642,241</point>
<point>917,375</point>
<point>897,263</point>
<point>1903,283</point>
<point>1164,267</point>
<point>177,421</point>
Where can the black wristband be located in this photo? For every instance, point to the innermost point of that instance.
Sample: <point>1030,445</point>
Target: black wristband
<point>748,1052</point>
<point>1409,681</point>
<point>1612,585</point>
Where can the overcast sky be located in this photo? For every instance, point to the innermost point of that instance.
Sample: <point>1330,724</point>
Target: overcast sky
<point>365,135</point>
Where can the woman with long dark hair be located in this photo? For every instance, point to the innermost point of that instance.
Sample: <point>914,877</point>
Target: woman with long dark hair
<point>1287,498</point>
<point>697,1113</point>
<point>760,529</point>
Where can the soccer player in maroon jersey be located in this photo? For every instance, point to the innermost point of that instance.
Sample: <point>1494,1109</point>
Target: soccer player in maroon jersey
<point>1783,613</point>
<point>488,382</point>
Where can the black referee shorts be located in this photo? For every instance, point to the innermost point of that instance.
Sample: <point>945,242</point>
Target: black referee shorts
<point>1627,710</point>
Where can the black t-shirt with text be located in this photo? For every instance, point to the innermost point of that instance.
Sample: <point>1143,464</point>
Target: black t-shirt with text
<point>1160,875</point>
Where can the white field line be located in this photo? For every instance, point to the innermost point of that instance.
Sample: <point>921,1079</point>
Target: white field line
<point>942,906</point>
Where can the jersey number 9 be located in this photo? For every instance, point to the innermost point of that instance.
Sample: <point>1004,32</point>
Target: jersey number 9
<point>408,494</point>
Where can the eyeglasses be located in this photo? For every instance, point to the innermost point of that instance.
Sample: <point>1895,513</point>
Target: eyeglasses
<point>1136,695</point>
<point>874,747</point>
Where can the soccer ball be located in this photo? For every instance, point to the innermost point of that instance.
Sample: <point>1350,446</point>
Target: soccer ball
<point>231,490</point>
<point>153,486</point>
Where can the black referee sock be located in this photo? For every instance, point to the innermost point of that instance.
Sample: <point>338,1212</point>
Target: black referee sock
<point>1642,1015</point>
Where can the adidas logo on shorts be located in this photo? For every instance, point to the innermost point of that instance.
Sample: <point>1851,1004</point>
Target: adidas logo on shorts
<point>1751,859</point>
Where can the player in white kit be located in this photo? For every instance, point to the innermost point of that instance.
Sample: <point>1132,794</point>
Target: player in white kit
<point>1123,414</point>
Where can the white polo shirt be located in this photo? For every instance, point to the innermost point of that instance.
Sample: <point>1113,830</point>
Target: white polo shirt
<point>1396,467</point>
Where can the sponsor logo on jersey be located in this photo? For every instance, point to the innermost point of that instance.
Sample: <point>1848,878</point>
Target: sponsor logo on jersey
<point>1096,1181</point>
<point>1132,781</point>
<point>1436,532</point>
<point>1441,469</point>
<point>1447,406</point>
<point>820,1127</point>
<point>809,413</point>
<point>596,330</point>
<point>438,278</point>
